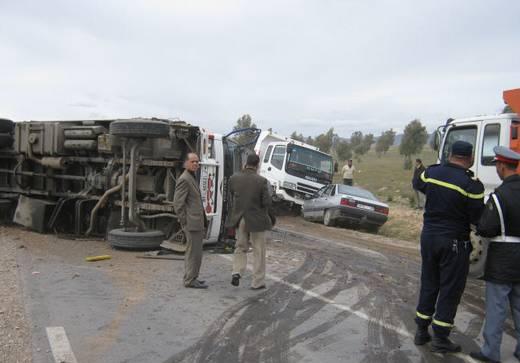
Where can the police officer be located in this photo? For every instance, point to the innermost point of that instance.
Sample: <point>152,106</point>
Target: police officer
<point>500,222</point>
<point>454,200</point>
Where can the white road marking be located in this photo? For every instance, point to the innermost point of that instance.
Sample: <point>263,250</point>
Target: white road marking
<point>342,307</point>
<point>60,346</point>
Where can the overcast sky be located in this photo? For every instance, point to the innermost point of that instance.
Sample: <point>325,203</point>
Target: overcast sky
<point>365,65</point>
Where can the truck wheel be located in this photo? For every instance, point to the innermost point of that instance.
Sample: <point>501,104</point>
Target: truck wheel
<point>6,125</point>
<point>130,240</point>
<point>6,140</point>
<point>327,218</point>
<point>139,128</point>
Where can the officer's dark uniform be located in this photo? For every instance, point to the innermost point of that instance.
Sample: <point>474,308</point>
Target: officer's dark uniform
<point>500,223</point>
<point>454,200</point>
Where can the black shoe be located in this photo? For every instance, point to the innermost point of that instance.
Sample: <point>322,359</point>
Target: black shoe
<point>235,279</point>
<point>201,281</point>
<point>481,357</point>
<point>195,284</point>
<point>444,345</point>
<point>422,336</point>
<point>258,287</point>
<point>517,356</point>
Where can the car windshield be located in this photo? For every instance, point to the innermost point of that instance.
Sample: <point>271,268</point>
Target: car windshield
<point>356,192</point>
<point>309,164</point>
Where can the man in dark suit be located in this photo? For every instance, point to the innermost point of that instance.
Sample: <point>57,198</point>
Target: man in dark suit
<point>192,218</point>
<point>250,215</point>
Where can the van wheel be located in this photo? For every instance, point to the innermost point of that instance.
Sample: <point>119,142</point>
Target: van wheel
<point>139,128</point>
<point>131,240</point>
<point>327,218</point>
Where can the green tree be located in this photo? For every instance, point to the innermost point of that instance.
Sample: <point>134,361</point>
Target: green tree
<point>244,122</point>
<point>324,141</point>
<point>296,136</point>
<point>356,139</point>
<point>384,142</point>
<point>414,139</point>
<point>343,150</point>
<point>309,140</point>
<point>360,144</point>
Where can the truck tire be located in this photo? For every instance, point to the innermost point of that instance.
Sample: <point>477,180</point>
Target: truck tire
<point>131,240</point>
<point>139,128</point>
<point>6,140</point>
<point>6,125</point>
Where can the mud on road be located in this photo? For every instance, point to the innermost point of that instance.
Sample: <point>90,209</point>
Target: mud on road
<point>379,290</point>
<point>334,295</point>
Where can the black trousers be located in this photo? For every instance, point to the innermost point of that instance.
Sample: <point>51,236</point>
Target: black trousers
<point>445,266</point>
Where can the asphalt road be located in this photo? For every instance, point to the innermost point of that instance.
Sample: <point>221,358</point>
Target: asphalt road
<point>328,300</point>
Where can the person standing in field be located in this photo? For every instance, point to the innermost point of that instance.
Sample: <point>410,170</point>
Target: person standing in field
<point>348,173</point>
<point>418,170</point>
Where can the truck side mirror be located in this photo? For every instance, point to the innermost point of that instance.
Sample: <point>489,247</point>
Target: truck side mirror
<point>436,140</point>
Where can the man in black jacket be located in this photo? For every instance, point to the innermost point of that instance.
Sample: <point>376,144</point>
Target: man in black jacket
<point>501,223</point>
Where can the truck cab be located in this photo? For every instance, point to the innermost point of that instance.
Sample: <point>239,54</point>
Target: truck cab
<point>484,133</point>
<point>293,168</point>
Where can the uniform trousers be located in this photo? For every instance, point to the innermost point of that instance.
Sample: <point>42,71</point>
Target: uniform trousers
<point>497,298</point>
<point>445,266</point>
<point>193,256</point>
<point>240,257</point>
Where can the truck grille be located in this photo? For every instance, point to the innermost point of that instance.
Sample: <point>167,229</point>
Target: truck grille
<point>306,188</point>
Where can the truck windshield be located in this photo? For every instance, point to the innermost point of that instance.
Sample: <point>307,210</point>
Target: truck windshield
<point>465,133</point>
<point>309,164</point>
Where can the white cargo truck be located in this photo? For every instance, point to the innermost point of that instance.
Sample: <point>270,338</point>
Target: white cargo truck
<point>293,168</point>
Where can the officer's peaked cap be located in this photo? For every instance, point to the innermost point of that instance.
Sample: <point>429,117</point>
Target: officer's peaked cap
<point>462,148</point>
<point>506,155</point>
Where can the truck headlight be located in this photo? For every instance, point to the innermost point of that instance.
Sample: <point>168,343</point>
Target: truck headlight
<point>289,185</point>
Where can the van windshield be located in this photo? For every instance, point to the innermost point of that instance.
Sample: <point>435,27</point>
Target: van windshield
<point>309,164</point>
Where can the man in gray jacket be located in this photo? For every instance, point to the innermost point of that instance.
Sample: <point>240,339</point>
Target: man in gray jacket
<point>192,218</point>
<point>250,215</point>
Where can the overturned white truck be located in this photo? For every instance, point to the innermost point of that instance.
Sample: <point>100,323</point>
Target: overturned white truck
<point>113,178</point>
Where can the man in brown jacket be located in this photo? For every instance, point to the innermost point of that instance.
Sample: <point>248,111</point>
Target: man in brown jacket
<point>192,218</point>
<point>250,214</point>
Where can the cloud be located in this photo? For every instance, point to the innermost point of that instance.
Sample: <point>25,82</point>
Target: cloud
<point>292,65</point>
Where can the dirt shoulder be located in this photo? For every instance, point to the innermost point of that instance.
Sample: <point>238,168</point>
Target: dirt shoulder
<point>373,241</point>
<point>15,337</point>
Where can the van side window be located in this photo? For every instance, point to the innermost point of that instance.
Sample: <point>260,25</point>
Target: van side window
<point>466,133</point>
<point>268,153</point>
<point>278,156</point>
<point>490,139</point>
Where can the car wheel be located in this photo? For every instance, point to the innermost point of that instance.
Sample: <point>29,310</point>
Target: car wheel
<point>139,128</point>
<point>131,240</point>
<point>327,218</point>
